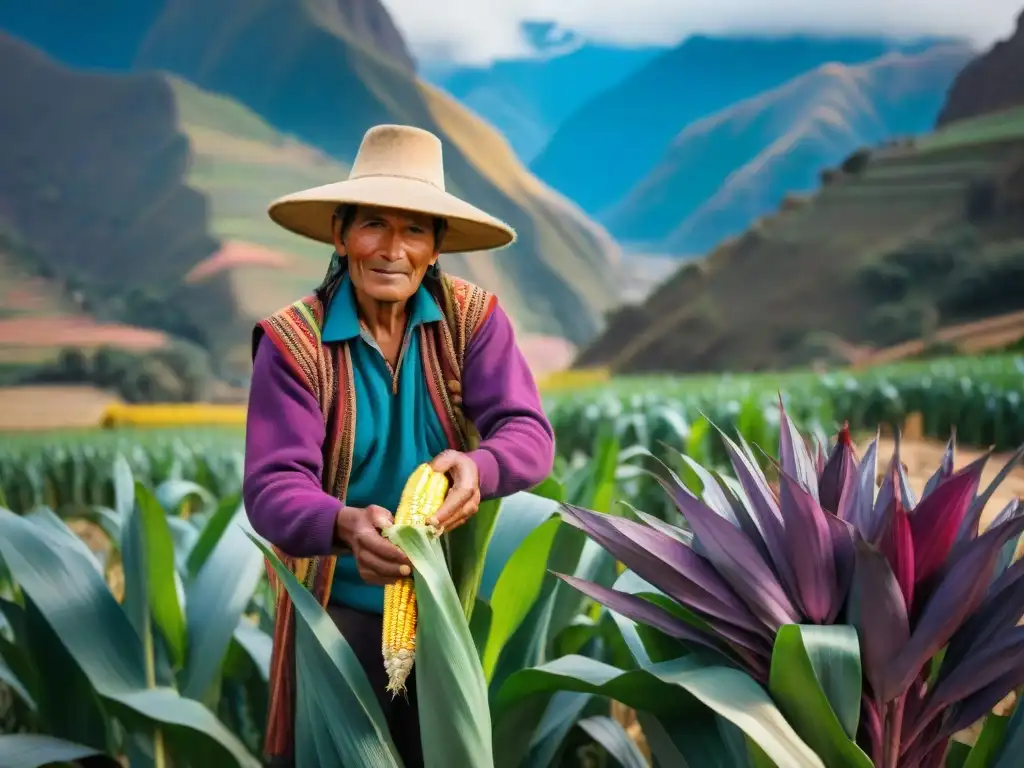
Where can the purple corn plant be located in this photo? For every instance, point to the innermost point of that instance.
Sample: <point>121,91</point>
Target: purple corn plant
<point>935,601</point>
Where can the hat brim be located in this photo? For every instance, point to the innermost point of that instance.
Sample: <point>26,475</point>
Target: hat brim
<point>309,211</point>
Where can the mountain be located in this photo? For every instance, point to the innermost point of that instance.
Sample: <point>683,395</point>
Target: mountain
<point>607,146</point>
<point>304,72</point>
<point>106,34</point>
<point>115,190</point>
<point>527,99</point>
<point>912,238</point>
<point>723,171</point>
<point>991,82</point>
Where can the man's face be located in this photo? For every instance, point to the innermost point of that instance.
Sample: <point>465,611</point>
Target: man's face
<point>388,251</point>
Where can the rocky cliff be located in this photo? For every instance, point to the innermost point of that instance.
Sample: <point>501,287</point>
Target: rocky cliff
<point>992,82</point>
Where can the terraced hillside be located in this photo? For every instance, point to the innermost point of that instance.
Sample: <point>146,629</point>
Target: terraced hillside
<point>240,163</point>
<point>918,238</point>
<point>322,73</point>
<point>303,69</point>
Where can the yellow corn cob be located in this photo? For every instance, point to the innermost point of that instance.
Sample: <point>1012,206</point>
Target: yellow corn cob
<point>421,497</point>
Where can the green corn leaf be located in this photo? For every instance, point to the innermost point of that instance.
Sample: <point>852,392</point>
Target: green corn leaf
<point>517,589</point>
<point>519,515</point>
<point>159,566</point>
<point>455,718</point>
<point>562,713</point>
<point>673,689</point>
<point>815,680</point>
<point>227,510</point>
<point>343,723</point>
<point>1008,753</point>
<point>30,750</point>
<point>94,630</point>
<point>610,734</point>
<point>172,494</point>
<point>989,742</point>
<point>466,551</point>
<point>9,678</point>
<point>215,599</point>
<point>330,724</point>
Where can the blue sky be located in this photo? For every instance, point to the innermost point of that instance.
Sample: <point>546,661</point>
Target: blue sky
<point>477,31</point>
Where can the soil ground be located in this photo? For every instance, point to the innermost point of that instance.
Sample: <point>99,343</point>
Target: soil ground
<point>36,408</point>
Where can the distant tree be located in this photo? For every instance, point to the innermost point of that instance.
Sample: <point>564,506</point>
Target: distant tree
<point>829,176</point>
<point>73,365</point>
<point>856,162</point>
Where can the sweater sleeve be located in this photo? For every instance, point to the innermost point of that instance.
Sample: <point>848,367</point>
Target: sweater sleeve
<point>500,396</point>
<point>284,435</point>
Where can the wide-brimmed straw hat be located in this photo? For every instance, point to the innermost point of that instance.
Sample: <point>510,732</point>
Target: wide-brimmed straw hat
<point>397,166</point>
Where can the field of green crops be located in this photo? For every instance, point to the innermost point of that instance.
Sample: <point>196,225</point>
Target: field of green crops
<point>983,398</point>
<point>182,533</point>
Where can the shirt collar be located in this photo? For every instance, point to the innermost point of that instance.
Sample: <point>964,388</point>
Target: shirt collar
<point>342,320</point>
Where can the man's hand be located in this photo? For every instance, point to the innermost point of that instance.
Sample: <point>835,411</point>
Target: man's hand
<point>378,560</point>
<point>463,499</point>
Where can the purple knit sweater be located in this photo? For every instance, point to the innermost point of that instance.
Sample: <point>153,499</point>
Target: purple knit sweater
<point>285,432</point>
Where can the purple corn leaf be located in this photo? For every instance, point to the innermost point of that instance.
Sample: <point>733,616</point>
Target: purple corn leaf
<point>965,713</point>
<point>757,644</point>
<point>1001,610</point>
<point>879,614</point>
<point>737,560</point>
<point>957,595</point>
<point>927,749</point>
<point>840,465</point>
<point>855,507</point>
<point>796,461</point>
<point>906,491</point>
<point>937,519</point>
<point>844,558</point>
<point>969,528</point>
<point>885,503</point>
<point>748,525</point>
<point>945,468</point>
<point>669,565</point>
<point>665,467</point>
<point>645,612</point>
<point>762,503</point>
<point>871,724</point>
<point>1011,510</point>
<point>749,452</point>
<point>1009,550</point>
<point>1001,656</point>
<point>810,546</point>
<point>820,456</point>
<point>679,534</point>
<point>897,544</point>
<point>713,495</point>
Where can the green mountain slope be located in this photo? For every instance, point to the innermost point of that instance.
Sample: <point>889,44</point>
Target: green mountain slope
<point>92,182</point>
<point>722,172</point>
<point>919,238</point>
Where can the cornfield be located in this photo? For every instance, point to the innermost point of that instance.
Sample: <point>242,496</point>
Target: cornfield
<point>982,397</point>
<point>167,584</point>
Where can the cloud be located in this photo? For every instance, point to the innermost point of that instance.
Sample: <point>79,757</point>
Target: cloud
<point>479,31</point>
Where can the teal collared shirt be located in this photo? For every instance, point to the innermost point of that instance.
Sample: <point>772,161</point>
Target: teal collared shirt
<point>397,428</point>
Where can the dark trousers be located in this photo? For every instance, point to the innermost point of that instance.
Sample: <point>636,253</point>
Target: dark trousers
<point>362,630</point>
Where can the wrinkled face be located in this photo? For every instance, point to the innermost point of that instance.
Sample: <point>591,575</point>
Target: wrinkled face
<point>388,251</point>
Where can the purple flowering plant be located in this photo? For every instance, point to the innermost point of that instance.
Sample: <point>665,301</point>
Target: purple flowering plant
<point>878,622</point>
